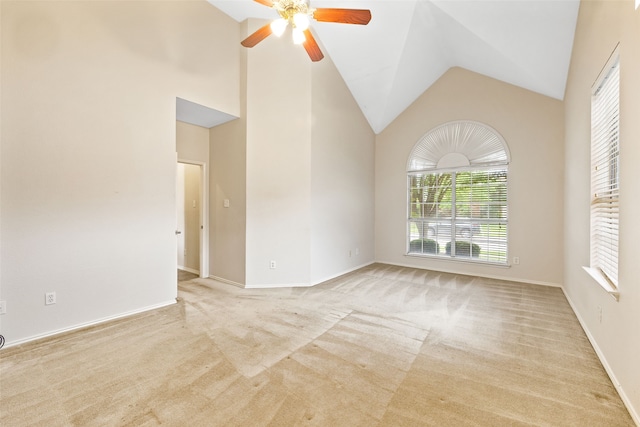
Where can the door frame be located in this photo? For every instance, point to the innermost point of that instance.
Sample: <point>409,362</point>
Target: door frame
<point>204,214</point>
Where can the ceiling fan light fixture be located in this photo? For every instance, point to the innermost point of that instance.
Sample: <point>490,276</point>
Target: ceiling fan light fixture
<point>278,26</point>
<point>298,36</point>
<point>301,20</point>
<point>298,13</point>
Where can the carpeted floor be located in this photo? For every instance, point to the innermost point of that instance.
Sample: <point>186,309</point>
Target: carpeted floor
<point>184,276</point>
<point>383,346</point>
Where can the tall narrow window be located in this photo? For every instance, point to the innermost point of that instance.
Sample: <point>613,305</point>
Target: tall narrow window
<point>457,183</point>
<point>605,178</point>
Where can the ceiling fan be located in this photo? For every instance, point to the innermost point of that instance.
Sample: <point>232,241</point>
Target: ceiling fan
<point>298,14</point>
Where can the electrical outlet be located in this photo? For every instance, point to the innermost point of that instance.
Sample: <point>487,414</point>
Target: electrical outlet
<point>516,260</point>
<point>50,298</point>
<point>599,314</point>
<point>272,265</point>
<point>3,307</point>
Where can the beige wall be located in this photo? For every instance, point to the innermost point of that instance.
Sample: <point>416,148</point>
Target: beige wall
<point>309,169</point>
<point>1,133</point>
<point>602,25</point>
<point>342,178</point>
<point>192,143</point>
<point>278,163</point>
<point>228,181</point>
<point>532,126</point>
<point>89,154</point>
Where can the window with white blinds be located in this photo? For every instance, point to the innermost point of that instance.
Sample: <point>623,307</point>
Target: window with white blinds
<point>457,194</point>
<point>459,215</point>
<point>605,166</point>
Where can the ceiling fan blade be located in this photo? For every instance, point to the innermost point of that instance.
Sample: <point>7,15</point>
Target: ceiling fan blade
<point>343,16</point>
<point>268,3</point>
<point>311,46</point>
<point>257,36</point>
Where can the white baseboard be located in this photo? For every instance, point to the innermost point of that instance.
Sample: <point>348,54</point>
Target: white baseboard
<point>485,276</point>
<point>229,282</point>
<point>625,399</point>
<point>87,324</point>
<point>189,270</point>
<point>278,286</point>
<point>311,284</point>
<point>351,270</point>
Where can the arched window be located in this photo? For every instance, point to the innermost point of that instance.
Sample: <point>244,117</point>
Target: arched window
<point>457,193</point>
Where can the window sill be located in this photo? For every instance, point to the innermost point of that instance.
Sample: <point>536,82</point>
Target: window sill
<point>603,281</point>
<point>465,260</point>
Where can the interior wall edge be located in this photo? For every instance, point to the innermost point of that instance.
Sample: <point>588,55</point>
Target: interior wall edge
<point>227,281</point>
<point>85,325</point>
<point>301,285</point>
<point>605,364</point>
<point>350,270</point>
<point>188,270</point>
<point>279,286</point>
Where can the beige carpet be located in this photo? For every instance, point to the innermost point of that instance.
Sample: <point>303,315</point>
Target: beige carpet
<point>384,346</point>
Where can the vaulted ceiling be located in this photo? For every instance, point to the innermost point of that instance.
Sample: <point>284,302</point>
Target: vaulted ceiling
<point>409,44</point>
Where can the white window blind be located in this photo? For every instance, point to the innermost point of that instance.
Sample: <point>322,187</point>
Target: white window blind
<point>605,155</point>
<point>459,214</point>
<point>457,193</point>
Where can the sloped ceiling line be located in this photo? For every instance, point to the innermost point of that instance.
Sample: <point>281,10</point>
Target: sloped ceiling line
<point>409,44</point>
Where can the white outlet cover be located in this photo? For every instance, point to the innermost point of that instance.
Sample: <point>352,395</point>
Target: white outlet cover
<point>50,298</point>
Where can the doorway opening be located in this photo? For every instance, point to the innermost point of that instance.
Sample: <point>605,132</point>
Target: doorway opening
<point>192,214</point>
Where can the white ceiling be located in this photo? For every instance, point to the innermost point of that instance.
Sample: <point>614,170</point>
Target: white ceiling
<point>409,44</point>
<point>196,114</point>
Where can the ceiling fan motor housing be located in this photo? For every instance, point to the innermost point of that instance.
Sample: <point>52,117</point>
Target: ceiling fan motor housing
<point>289,8</point>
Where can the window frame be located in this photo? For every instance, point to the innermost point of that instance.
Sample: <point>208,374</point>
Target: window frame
<point>455,221</point>
<point>457,147</point>
<point>604,211</point>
